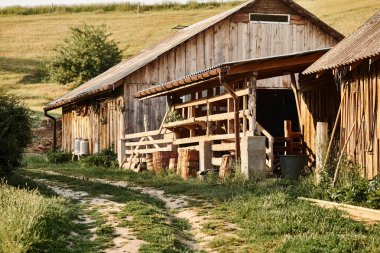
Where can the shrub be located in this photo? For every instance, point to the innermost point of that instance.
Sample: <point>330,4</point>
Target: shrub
<point>374,193</point>
<point>84,55</point>
<point>59,157</point>
<point>15,131</point>
<point>106,158</point>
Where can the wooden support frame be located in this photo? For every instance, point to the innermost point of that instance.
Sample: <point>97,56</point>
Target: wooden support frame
<point>236,111</point>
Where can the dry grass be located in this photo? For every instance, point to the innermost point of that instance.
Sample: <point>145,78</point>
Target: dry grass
<point>27,40</point>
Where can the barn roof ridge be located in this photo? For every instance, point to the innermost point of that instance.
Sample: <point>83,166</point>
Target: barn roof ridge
<point>107,80</point>
<point>362,44</point>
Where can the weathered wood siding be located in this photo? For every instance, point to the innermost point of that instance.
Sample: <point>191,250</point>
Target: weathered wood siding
<point>97,120</point>
<point>232,39</point>
<point>235,38</point>
<point>361,113</point>
<point>319,101</point>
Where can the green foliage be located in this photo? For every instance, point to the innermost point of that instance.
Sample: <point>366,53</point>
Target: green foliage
<point>106,158</point>
<point>374,193</point>
<point>59,157</point>
<point>173,116</point>
<point>15,131</point>
<point>84,55</point>
<point>351,187</point>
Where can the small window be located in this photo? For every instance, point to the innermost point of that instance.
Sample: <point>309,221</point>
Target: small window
<point>269,18</point>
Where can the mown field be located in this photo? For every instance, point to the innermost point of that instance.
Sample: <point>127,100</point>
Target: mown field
<point>27,40</point>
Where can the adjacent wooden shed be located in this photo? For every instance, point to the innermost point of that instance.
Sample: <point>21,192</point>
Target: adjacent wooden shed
<point>355,64</point>
<point>103,110</point>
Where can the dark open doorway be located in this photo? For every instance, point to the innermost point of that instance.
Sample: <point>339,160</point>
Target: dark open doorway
<point>275,106</point>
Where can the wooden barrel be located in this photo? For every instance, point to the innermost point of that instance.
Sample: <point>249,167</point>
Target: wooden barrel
<point>190,163</point>
<point>149,162</point>
<point>161,159</point>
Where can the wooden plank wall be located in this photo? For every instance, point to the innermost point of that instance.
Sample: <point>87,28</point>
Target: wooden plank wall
<point>234,38</point>
<point>361,112</point>
<point>99,124</point>
<point>230,40</point>
<point>319,101</point>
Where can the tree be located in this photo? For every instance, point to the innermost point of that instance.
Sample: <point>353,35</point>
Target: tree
<point>15,131</point>
<point>86,53</point>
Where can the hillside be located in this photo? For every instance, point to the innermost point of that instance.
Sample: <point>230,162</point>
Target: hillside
<point>26,40</point>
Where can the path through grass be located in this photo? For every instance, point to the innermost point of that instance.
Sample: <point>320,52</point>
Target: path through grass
<point>268,216</point>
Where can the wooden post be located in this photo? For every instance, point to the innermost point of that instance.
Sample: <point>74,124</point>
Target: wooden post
<point>236,111</point>
<point>205,155</point>
<point>294,88</point>
<point>192,113</point>
<point>252,102</point>
<point>288,134</point>
<point>209,126</point>
<point>321,140</point>
<point>237,127</point>
<point>245,107</point>
<point>121,142</point>
<point>230,109</point>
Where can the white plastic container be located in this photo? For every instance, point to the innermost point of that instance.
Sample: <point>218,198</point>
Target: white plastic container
<point>96,147</point>
<point>84,147</point>
<point>77,146</point>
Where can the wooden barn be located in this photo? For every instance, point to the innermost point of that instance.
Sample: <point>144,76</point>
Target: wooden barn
<point>355,64</point>
<point>103,110</point>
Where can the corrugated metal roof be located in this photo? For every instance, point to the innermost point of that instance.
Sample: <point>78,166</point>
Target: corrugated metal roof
<point>211,73</point>
<point>136,62</point>
<point>362,44</point>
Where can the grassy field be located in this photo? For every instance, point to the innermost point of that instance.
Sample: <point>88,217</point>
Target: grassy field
<point>34,219</point>
<point>26,40</point>
<point>269,215</point>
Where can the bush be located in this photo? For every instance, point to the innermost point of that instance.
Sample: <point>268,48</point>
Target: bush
<point>59,157</point>
<point>106,158</point>
<point>84,55</point>
<point>15,131</point>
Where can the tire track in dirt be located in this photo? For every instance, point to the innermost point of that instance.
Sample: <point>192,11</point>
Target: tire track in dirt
<point>181,209</point>
<point>125,240</point>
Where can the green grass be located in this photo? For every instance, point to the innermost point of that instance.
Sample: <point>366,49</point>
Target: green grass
<point>268,212</point>
<point>32,219</point>
<point>27,40</point>
<point>155,226</point>
<point>151,222</point>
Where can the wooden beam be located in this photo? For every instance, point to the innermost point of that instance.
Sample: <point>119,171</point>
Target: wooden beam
<point>295,92</point>
<point>203,101</point>
<point>252,101</point>
<point>148,142</point>
<point>236,110</point>
<point>275,63</point>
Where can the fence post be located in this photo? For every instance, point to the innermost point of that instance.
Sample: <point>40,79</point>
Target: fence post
<point>321,140</point>
<point>120,151</point>
<point>205,155</point>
